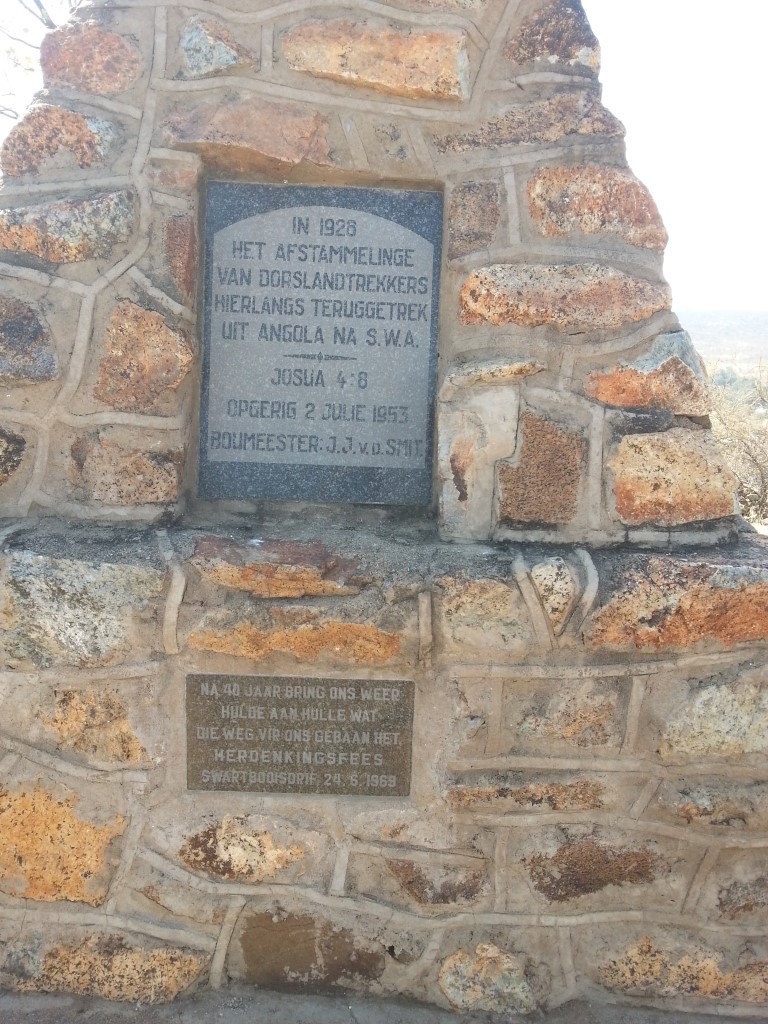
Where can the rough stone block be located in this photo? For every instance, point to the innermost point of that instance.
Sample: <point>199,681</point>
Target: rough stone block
<point>486,979</point>
<point>473,217</point>
<point>12,448</point>
<point>718,718</point>
<point>654,963</point>
<point>541,121</point>
<point>669,376</point>
<point>49,852</point>
<point>557,716</point>
<point>480,619</point>
<point>94,724</point>
<point>69,231</point>
<point>671,478</point>
<point>143,359</point>
<point>90,59</point>
<point>712,802</point>
<point>49,136</point>
<point>414,64</point>
<point>208,47</point>
<point>595,200</point>
<point>436,886</point>
<point>102,964</point>
<point>569,297</point>
<point>658,603</point>
<point>559,588</point>
<point>364,630</point>
<point>27,355</point>
<point>286,951</point>
<point>239,135</point>
<point>277,568</point>
<point>592,867</point>
<point>736,890</point>
<point>543,482</point>
<point>107,472</point>
<point>476,429</point>
<point>252,850</point>
<point>67,612</point>
<point>181,252</point>
<point>504,792</point>
<point>558,35</point>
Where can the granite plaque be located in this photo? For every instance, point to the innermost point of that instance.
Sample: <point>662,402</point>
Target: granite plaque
<point>320,343</point>
<point>278,734</point>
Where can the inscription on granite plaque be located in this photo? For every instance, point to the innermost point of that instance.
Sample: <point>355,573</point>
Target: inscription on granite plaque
<point>320,343</point>
<point>277,734</point>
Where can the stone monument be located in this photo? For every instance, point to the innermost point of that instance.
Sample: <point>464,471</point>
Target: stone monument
<point>375,611</point>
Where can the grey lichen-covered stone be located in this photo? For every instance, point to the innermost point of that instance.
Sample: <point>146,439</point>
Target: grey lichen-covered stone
<point>68,612</point>
<point>487,979</point>
<point>728,720</point>
<point>208,47</point>
<point>12,447</point>
<point>26,353</point>
<point>558,588</point>
<point>69,231</point>
<point>565,114</point>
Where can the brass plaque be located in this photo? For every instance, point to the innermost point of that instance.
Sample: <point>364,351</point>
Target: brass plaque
<point>295,734</point>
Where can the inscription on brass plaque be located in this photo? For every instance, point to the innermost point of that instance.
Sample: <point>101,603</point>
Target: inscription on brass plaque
<point>278,734</point>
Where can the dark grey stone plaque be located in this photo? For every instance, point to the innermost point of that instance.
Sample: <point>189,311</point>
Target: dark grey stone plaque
<point>278,734</point>
<point>320,343</point>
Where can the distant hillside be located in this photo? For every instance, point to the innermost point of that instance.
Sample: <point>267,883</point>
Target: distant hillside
<point>724,339</point>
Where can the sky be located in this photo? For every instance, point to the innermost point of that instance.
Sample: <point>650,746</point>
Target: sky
<point>687,79</point>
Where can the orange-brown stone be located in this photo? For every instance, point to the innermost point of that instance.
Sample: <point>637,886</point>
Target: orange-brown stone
<point>649,968</point>
<point>359,643</point>
<point>144,357</point>
<point>543,485</point>
<point>107,966</point>
<point>90,59</point>
<point>554,796</point>
<point>46,131</point>
<point>662,603</point>
<point>594,200</point>
<point>251,135</point>
<point>565,114</point>
<point>584,865</point>
<point>671,478</point>
<point>670,376</point>
<point>114,475</point>
<point>559,33</point>
<point>414,64</point>
<point>95,724</point>
<point>69,231</point>
<point>276,568</point>
<point>48,853</point>
<point>180,246</point>
<point>575,297</point>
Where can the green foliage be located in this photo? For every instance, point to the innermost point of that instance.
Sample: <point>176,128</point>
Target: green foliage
<point>740,424</point>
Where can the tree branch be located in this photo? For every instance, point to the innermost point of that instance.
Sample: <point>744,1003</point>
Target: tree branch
<point>37,10</point>
<point>17,39</point>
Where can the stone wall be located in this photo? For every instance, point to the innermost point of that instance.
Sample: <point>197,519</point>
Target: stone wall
<point>589,806</point>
